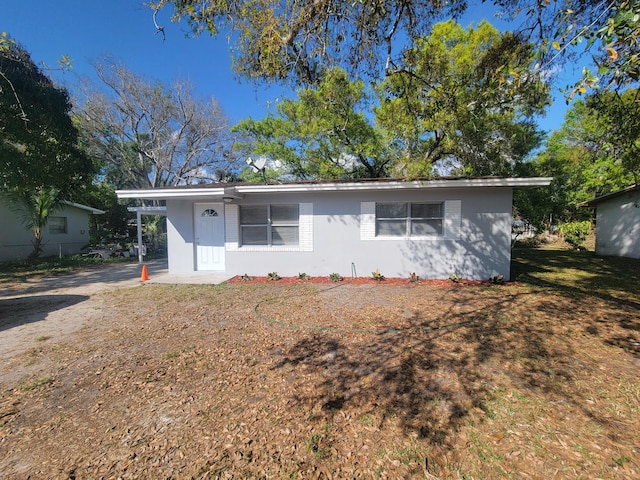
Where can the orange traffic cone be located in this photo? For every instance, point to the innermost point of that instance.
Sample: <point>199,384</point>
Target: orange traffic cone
<point>145,275</point>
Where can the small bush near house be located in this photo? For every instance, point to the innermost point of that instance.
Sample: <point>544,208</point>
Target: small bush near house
<point>575,233</point>
<point>455,278</point>
<point>377,275</point>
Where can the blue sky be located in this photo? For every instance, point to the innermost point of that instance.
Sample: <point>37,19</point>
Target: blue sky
<point>86,30</point>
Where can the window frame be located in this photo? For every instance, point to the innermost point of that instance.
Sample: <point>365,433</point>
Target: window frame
<point>58,229</point>
<point>409,220</point>
<point>270,225</point>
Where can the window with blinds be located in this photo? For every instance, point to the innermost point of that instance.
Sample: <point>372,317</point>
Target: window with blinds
<point>409,219</point>
<point>269,224</point>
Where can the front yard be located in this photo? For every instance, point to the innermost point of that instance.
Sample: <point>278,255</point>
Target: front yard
<point>536,379</point>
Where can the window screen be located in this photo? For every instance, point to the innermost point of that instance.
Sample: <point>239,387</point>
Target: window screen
<point>269,224</point>
<point>409,219</point>
<point>57,225</point>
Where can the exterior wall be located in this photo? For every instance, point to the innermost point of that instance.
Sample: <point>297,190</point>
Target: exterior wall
<point>180,236</point>
<point>16,240</point>
<point>618,226</point>
<point>479,249</point>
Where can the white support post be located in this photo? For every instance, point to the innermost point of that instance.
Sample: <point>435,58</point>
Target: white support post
<point>139,225</point>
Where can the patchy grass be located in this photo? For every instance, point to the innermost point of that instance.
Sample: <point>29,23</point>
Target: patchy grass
<point>578,272</point>
<point>35,383</point>
<point>536,379</point>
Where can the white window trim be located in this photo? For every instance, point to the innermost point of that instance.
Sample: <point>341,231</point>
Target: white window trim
<point>451,223</point>
<point>305,232</point>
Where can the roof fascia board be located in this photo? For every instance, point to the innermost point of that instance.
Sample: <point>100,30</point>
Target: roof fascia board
<point>413,185</point>
<point>95,211</point>
<point>147,209</point>
<point>170,193</point>
<point>595,201</point>
<point>239,191</point>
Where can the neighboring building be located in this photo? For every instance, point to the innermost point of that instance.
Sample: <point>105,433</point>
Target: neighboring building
<point>618,222</point>
<point>66,232</point>
<point>434,228</point>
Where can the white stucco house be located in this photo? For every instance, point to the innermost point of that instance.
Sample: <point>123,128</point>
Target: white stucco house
<point>618,222</point>
<point>66,232</point>
<point>434,228</point>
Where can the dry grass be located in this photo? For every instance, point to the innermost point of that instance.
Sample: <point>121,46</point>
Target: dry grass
<point>532,380</point>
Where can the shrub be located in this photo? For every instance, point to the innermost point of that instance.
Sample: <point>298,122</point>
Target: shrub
<point>377,275</point>
<point>273,276</point>
<point>303,276</point>
<point>455,278</point>
<point>335,277</point>
<point>575,233</point>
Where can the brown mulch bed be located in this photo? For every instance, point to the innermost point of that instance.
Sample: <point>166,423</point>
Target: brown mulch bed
<point>282,380</point>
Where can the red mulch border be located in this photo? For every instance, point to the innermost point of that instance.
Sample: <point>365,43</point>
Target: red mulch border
<point>361,281</point>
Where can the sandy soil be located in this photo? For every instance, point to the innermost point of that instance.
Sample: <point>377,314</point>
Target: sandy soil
<point>51,308</point>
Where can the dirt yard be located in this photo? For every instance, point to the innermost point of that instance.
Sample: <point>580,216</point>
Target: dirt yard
<point>537,379</point>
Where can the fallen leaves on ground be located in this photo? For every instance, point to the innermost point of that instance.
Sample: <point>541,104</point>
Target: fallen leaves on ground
<point>322,381</point>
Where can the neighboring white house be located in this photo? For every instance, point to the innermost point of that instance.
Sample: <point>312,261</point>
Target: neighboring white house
<point>66,232</point>
<point>434,228</point>
<point>618,222</point>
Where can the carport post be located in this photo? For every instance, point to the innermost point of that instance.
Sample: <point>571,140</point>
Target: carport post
<point>139,225</point>
<point>148,211</point>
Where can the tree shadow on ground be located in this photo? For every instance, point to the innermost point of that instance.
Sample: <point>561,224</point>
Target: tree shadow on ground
<point>449,367</point>
<point>430,376</point>
<point>585,277</point>
<point>578,272</point>
<point>22,310</point>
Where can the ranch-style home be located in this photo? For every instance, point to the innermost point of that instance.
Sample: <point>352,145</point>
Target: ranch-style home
<point>618,222</point>
<point>434,228</point>
<point>65,233</point>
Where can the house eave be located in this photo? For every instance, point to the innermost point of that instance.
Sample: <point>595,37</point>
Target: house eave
<point>398,185</point>
<point>161,193</point>
<point>95,211</point>
<point>594,202</point>
<point>239,191</point>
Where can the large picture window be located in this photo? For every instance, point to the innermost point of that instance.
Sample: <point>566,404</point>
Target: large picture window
<point>409,219</point>
<point>269,225</point>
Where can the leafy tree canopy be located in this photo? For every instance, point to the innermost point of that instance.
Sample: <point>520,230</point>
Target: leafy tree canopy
<point>457,98</point>
<point>324,133</point>
<point>619,116</point>
<point>595,152</point>
<point>38,141</point>
<point>449,109</point>
<point>295,40</point>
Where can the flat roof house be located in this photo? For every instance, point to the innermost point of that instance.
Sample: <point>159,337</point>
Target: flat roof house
<point>434,228</point>
<point>66,232</point>
<point>618,222</point>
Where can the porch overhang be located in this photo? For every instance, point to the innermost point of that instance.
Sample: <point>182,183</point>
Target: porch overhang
<point>149,211</point>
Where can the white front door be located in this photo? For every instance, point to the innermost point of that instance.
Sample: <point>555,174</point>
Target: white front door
<point>209,226</point>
